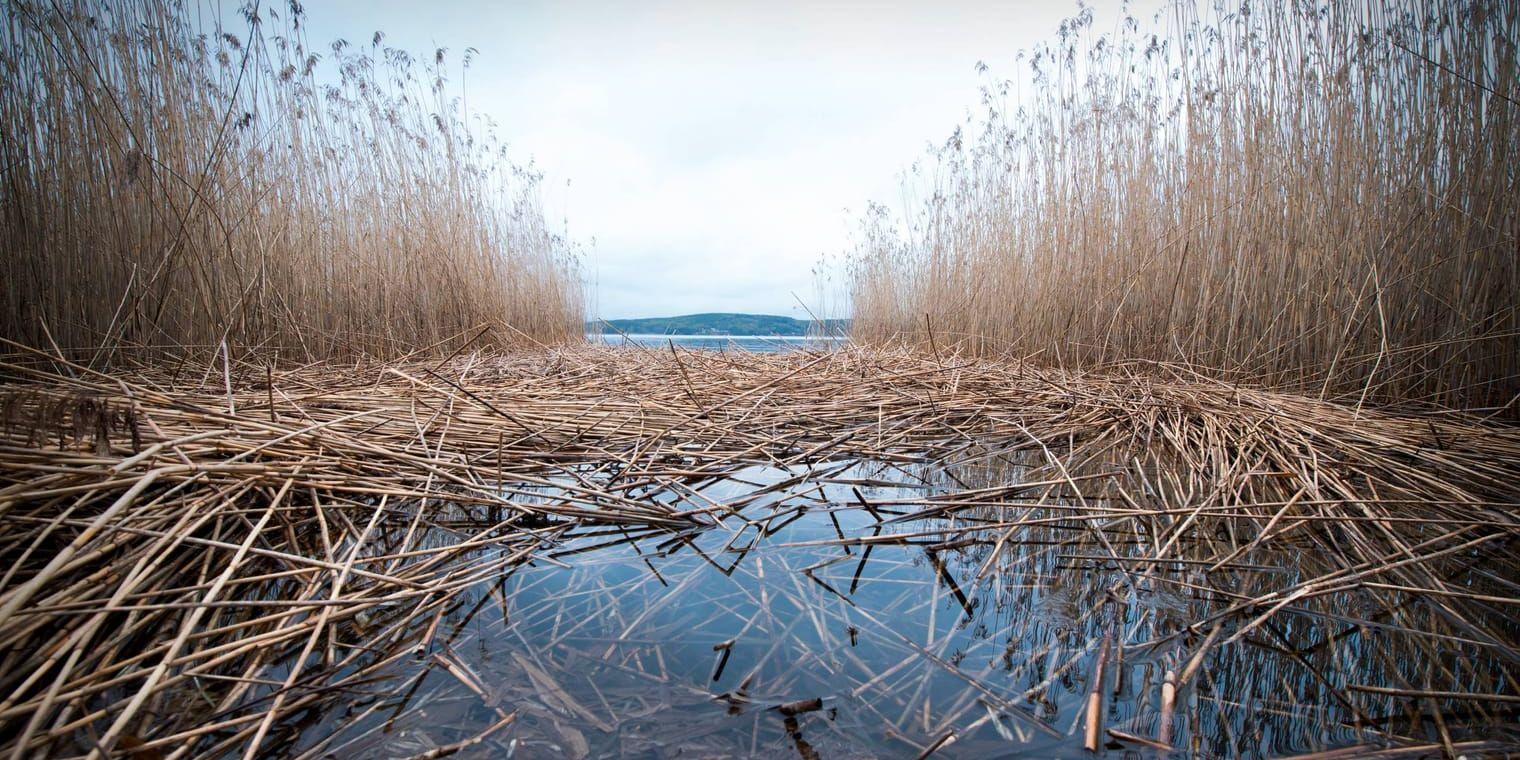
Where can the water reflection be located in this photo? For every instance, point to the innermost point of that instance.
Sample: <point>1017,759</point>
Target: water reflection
<point>810,619</point>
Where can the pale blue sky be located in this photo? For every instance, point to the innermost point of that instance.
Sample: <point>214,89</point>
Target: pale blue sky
<point>714,151</point>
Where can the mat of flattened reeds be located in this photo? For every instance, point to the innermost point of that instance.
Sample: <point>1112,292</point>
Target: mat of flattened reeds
<point>650,553</point>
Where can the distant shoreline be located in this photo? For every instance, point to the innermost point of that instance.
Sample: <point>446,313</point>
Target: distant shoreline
<point>675,336</point>
<point>722,325</point>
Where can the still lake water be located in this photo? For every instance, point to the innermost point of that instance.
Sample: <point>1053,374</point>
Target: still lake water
<point>760,343</point>
<point>762,635</point>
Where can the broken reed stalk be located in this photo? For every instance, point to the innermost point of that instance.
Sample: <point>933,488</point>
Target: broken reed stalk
<point>1094,729</point>
<point>169,184</point>
<point>1309,196</point>
<point>165,546</point>
<point>1168,707</point>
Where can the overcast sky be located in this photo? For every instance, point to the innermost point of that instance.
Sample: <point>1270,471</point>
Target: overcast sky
<point>713,151</point>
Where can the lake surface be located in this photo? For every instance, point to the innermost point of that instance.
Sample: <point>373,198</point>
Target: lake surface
<point>760,343</point>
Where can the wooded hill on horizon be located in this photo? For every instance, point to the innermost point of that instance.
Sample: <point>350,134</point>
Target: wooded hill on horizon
<point>722,324</point>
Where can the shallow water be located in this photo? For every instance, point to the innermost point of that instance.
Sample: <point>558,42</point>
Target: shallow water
<point>758,637</point>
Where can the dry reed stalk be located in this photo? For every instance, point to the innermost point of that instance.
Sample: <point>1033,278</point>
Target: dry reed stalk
<point>174,185</point>
<point>1168,708</point>
<point>1308,196</point>
<point>1094,718</point>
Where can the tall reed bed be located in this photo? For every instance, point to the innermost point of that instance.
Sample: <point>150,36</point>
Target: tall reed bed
<point>169,181</point>
<point>1319,196</point>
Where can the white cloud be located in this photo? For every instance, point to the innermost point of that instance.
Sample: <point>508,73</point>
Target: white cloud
<point>712,148</point>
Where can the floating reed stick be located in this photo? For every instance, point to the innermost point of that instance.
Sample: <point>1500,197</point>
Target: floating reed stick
<point>1094,724</point>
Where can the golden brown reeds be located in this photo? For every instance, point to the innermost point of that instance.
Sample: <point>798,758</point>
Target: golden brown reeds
<point>194,561</point>
<point>173,184</point>
<point>1315,196</point>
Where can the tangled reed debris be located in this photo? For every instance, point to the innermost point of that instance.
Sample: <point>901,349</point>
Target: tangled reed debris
<point>194,559</point>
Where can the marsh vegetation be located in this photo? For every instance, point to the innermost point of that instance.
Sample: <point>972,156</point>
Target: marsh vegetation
<point>1313,196</point>
<point>1177,420</point>
<point>835,553</point>
<point>169,184</point>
